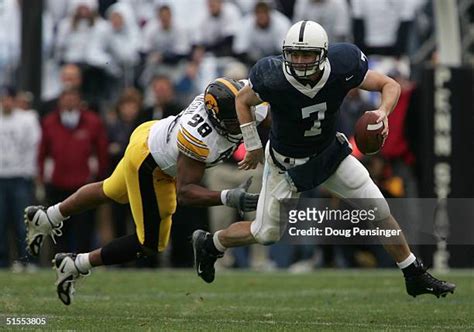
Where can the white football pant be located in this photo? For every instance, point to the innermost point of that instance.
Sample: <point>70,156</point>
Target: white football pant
<point>350,181</point>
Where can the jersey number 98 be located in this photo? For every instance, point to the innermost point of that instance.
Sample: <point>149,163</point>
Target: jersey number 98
<point>204,129</point>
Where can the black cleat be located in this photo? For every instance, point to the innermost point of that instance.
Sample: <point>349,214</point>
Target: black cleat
<point>425,283</point>
<point>203,259</point>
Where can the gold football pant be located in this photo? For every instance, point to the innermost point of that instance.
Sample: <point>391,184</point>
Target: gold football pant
<point>151,193</point>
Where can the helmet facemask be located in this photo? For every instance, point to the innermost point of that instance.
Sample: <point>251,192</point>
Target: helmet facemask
<point>229,128</point>
<point>303,70</point>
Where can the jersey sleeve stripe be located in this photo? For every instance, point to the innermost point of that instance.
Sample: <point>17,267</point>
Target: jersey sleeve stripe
<point>203,152</point>
<point>202,146</point>
<point>193,139</point>
<point>190,153</point>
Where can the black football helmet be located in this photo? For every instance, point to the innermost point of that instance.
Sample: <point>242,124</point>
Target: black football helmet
<point>219,97</point>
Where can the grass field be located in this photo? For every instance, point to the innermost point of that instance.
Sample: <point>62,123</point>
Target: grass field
<point>331,300</point>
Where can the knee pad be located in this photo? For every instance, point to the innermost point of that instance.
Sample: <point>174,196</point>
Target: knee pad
<point>383,210</point>
<point>358,180</point>
<point>266,236</point>
<point>376,200</point>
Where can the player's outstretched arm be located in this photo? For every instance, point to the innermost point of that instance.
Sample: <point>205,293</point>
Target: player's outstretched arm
<point>390,91</point>
<point>188,184</point>
<point>246,98</point>
<point>192,193</point>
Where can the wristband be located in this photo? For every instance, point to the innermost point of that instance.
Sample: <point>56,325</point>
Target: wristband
<point>250,135</point>
<point>224,196</point>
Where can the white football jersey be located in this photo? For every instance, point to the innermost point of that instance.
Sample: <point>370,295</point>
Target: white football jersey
<point>192,133</point>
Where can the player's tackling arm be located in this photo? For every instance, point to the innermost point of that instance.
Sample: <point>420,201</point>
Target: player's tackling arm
<point>191,193</point>
<point>245,99</point>
<point>390,91</point>
<point>188,184</point>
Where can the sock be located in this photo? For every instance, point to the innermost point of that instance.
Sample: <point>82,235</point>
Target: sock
<point>409,266</point>
<point>217,243</point>
<point>121,250</point>
<point>55,215</point>
<point>213,245</point>
<point>82,263</point>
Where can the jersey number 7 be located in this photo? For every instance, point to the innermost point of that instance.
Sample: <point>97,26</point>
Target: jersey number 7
<point>306,112</point>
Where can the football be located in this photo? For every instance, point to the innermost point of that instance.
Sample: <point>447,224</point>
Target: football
<point>368,134</point>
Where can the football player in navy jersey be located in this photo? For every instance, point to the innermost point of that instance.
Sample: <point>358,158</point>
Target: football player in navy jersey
<point>305,87</point>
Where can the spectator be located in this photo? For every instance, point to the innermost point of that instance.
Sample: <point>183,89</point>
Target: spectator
<point>141,10</point>
<point>262,33</point>
<point>181,10</point>
<point>165,103</point>
<point>122,30</point>
<point>71,136</point>
<point>165,43</point>
<point>76,30</point>
<point>218,27</point>
<point>121,123</point>
<point>189,84</point>
<point>82,39</point>
<point>378,33</point>
<point>24,101</point>
<point>19,137</point>
<point>164,40</point>
<point>70,78</point>
<point>57,10</point>
<point>119,128</point>
<point>333,15</point>
<point>405,125</point>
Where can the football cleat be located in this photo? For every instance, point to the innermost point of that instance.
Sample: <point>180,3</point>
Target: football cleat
<point>203,259</point>
<point>425,283</point>
<point>38,226</point>
<point>66,275</point>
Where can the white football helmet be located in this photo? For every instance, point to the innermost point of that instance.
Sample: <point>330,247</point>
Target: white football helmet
<point>305,36</point>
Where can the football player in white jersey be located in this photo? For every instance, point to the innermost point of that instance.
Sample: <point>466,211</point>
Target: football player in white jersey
<point>164,163</point>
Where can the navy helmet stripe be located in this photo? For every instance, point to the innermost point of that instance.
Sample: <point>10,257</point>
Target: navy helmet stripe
<point>303,25</point>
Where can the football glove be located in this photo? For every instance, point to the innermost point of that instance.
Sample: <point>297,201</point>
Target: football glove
<point>240,199</point>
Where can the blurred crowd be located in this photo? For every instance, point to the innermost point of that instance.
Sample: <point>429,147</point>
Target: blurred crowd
<point>111,65</point>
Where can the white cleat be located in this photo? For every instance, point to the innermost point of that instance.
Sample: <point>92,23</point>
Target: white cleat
<point>66,275</point>
<point>38,226</point>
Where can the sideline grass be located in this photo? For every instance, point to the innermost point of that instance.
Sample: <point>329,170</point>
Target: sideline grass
<point>330,300</point>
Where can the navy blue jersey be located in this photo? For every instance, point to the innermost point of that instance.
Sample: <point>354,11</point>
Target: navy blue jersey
<point>304,117</point>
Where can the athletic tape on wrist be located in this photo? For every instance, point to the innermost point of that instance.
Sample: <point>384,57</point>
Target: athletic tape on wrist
<point>250,135</point>
<point>224,196</point>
